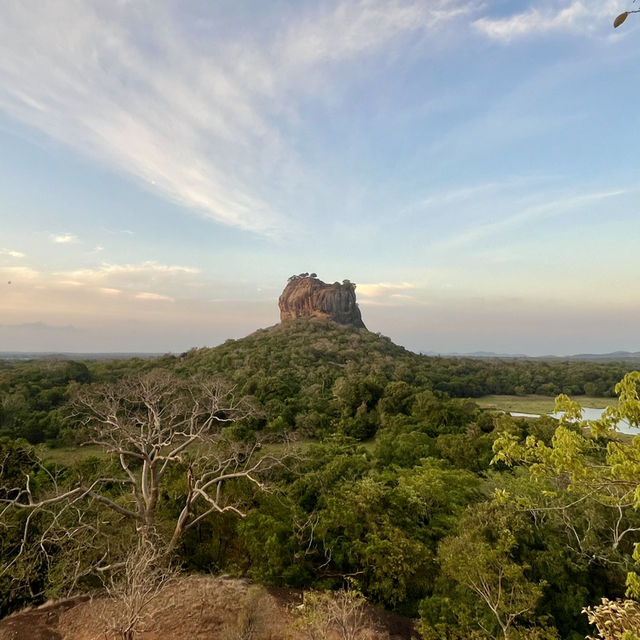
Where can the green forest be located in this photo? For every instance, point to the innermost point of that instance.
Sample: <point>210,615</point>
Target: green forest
<point>314,455</point>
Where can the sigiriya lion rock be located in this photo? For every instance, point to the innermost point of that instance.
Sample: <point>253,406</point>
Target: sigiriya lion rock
<point>307,296</point>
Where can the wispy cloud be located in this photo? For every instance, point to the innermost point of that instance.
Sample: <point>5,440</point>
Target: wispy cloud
<point>577,16</point>
<point>349,29</point>
<point>439,200</point>
<point>64,238</point>
<point>555,207</point>
<point>201,120</point>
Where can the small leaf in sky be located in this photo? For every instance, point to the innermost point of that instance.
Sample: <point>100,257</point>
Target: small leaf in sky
<point>620,19</point>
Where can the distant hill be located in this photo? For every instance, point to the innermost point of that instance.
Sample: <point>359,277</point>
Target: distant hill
<point>615,356</point>
<point>68,355</point>
<point>294,356</point>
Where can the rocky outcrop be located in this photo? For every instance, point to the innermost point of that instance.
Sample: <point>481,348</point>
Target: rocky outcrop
<point>306,296</point>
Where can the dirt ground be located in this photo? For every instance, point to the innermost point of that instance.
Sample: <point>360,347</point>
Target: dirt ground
<point>193,608</point>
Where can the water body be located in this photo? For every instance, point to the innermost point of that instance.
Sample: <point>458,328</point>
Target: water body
<point>588,413</point>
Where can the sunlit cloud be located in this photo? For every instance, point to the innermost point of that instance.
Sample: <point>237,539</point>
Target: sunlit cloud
<point>378,289</point>
<point>144,269</point>
<point>11,254</point>
<point>167,280</point>
<point>145,295</point>
<point>144,281</point>
<point>386,293</point>
<point>64,238</point>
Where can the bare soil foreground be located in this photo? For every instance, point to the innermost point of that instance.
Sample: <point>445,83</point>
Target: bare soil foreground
<point>193,608</point>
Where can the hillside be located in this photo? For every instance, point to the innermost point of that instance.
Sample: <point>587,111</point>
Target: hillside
<point>303,373</point>
<point>305,351</point>
<point>193,608</point>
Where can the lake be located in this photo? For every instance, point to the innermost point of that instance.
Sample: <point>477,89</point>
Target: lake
<point>588,413</point>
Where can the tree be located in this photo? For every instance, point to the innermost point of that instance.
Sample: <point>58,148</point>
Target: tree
<point>156,427</point>
<point>481,558</point>
<point>587,460</point>
<point>591,466</point>
<point>134,591</point>
<point>341,613</point>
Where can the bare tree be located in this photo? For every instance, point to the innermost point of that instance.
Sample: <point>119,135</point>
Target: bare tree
<point>149,423</point>
<point>135,591</point>
<point>340,614</point>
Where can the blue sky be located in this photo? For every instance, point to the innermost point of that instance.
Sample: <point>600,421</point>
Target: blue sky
<point>473,166</point>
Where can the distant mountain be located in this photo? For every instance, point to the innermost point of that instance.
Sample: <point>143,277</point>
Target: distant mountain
<point>51,355</point>
<point>615,356</point>
<point>474,354</point>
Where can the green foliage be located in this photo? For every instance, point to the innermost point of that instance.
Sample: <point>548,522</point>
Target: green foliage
<point>32,396</point>
<point>393,488</point>
<point>483,558</point>
<point>594,477</point>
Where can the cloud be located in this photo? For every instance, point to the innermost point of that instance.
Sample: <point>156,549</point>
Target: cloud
<point>149,267</point>
<point>11,254</point>
<point>153,296</point>
<point>555,207</point>
<point>385,293</point>
<point>201,119</point>
<point>64,238</point>
<point>579,16</point>
<point>145,281</point>
<point>469,194</point>
<point>353,28</point>
<point>112,279</point>
<point>125,283</point>
<point>18,274</point>
<point>382,289</point>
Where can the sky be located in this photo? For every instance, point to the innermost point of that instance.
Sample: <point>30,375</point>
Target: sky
<point>166,165</point>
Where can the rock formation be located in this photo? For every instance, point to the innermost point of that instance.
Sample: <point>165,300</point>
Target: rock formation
<point>306,296</point>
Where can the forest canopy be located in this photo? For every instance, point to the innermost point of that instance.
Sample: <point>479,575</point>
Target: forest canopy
<point>353,461</point>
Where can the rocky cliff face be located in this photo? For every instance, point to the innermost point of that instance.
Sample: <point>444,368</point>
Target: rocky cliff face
<point>305,295</point>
